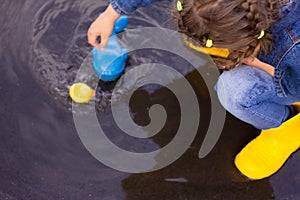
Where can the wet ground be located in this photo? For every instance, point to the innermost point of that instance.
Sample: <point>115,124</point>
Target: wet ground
<point>43,44</point>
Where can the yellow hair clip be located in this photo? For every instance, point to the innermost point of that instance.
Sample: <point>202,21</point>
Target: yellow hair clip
<point>209,43</point>
<point>262,33</point>
<point>179,6</point>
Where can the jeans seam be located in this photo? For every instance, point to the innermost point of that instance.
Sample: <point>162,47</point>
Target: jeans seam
<point>276,122</point>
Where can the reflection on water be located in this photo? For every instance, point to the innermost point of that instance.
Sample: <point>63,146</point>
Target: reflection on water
<point>43,43</point>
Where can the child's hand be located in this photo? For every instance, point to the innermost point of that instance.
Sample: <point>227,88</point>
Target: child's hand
<point>252,61</point>
<point>255,62</point>
<point>102,27</point>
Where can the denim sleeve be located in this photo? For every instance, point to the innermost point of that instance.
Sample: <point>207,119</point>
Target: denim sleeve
<point>289,14</point>
<point>127,6</point>
<point>287,75</point>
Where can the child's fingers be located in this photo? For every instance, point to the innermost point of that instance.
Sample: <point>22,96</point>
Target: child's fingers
<point>104,41</point>
<point>249,60</point>
<point>92,39</point>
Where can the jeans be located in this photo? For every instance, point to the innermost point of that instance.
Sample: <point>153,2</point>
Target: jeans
<point>249,94</point>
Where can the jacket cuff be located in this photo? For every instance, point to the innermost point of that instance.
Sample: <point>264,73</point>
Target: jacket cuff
<point>117,8</point>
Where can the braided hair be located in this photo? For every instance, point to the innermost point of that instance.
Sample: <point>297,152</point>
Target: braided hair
<point>232,24</point>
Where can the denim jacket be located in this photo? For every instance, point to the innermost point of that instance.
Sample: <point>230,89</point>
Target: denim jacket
<point>285,55</point>
<point>125,7</point>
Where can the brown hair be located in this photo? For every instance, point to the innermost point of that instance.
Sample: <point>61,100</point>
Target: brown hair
<point>232,24</point>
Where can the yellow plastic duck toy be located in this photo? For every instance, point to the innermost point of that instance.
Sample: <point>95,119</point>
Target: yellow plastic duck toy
<point>266,154</point>
<point>81,93</point>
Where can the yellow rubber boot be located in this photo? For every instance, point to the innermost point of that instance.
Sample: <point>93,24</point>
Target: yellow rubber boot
<point>266,154</point>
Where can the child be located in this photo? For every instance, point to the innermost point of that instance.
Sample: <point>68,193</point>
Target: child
<point>265,35</point>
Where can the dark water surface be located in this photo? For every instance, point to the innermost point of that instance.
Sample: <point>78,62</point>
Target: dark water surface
<point>43,43</point>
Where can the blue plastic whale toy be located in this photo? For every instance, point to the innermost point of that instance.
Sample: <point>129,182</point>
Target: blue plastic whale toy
<point>110,62</point>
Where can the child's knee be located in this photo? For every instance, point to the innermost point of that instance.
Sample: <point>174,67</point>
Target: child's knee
<point>232,94</point>
<point>224,91</point>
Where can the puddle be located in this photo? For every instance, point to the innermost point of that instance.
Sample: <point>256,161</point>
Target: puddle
<point>43,44</point>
